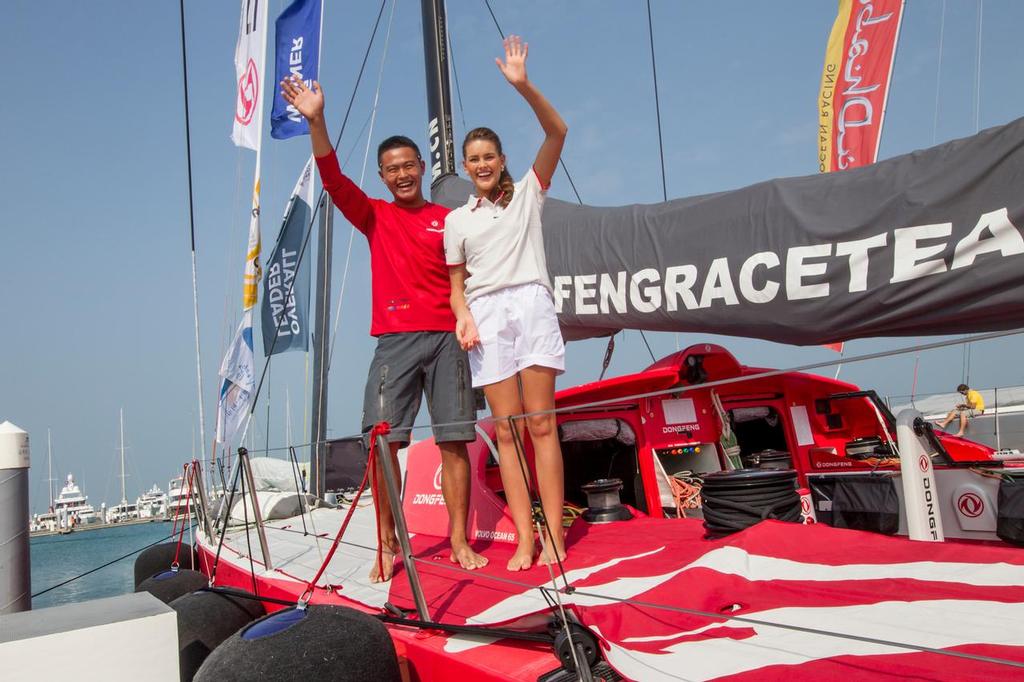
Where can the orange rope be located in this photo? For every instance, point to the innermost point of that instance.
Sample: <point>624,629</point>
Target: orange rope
<point>686,495</point>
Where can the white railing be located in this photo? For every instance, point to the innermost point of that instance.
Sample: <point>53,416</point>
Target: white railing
<point>1000,426</point>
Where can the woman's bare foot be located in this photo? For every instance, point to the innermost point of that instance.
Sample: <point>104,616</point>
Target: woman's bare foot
<point>549,553</point>
<point>523,558</point>
<point>463,555</point>
<point>384,568</point>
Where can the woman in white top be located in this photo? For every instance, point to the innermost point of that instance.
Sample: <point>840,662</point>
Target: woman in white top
<point>502,299</point>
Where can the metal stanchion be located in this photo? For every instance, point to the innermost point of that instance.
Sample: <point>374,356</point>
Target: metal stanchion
<point>243,461</point>
<point>384,455</point>
<point>204,507</point>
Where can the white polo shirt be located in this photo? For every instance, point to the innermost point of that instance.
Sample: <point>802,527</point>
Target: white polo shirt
<point>501,247</point>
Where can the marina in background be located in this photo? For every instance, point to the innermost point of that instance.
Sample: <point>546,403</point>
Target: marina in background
<point>57,558</point>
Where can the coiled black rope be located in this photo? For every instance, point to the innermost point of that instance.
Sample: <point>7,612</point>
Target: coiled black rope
<point>734,500</point>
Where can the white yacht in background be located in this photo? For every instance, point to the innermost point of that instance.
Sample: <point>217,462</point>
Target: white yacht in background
<point>152,504</point>
<point>123,511</point>
<point>42,524</point>
<point>177,499</point>
<point>71,507</point>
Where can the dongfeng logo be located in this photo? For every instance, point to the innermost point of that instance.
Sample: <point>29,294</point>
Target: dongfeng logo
<point>970,505</point>
<point>248,94</point>
<point>437,478</point>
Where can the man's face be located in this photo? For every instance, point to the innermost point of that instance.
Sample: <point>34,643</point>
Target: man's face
<point>402,172</point>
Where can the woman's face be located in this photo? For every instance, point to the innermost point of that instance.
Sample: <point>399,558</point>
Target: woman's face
<point>483,164</point>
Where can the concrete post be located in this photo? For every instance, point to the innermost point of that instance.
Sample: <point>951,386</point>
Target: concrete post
<point>15,568</point>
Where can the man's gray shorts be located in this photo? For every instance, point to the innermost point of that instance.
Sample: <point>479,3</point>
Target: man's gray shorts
<point>407,364</point>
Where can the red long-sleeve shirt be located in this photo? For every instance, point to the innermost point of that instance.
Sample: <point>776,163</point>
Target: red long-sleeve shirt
<point>410,283</point>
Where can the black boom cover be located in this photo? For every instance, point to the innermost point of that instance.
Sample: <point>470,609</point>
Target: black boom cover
<point>1010,517</point>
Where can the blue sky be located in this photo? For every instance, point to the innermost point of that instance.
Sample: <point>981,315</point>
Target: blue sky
<point>94,237</point>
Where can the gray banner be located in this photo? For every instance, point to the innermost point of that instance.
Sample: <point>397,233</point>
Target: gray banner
<point>281,313</point>
<point>926,243</point>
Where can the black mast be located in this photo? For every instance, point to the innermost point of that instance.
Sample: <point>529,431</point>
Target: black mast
<point>441,153</point>
<point>321,346</point>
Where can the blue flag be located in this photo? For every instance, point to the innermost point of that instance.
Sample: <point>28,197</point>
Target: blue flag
<point>285,307</point>
<point>298,53</point>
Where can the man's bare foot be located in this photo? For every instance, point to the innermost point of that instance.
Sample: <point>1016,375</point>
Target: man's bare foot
<point>382,570</point>
<point>464,556</point>
<point>523,558</point>
<point>960,435</point>
<point>548,555</point>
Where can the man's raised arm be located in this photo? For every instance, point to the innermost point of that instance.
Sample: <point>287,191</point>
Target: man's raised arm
<point>347,196</point>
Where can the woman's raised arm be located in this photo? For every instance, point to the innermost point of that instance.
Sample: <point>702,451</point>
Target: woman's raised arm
<point>555,129</point>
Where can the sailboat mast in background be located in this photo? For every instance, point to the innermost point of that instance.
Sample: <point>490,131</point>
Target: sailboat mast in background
<point>124,497</point>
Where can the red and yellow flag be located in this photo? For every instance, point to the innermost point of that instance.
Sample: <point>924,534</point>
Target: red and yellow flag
<point>855,82</point>
<point>855,85</point>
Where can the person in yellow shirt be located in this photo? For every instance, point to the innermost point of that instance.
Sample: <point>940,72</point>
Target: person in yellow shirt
<point>972,406</point>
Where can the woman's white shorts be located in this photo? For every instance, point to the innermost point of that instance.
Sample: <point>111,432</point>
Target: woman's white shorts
<point>518,328</point>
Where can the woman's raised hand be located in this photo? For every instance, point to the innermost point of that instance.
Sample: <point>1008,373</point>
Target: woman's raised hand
<point>514,66</point>
<point>308,101</point>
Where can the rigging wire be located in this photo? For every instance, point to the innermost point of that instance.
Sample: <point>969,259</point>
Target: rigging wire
<point>661,146</point>
<point>320,198</point>
<point>245,515</point>
<point>977,127</point>
<point>540,521</point>
<point>192,231</point>
<point>657,102</point>
<point>938,75</point>
<point>543,590</point>
<point>644,337</point>
<point>455,72</point>
<point>727,617</point>
<point>531,490</point>
<point>348,252</point>
<point>687,611</point>
<point>977,73</point>
<point>362,178</point>
<point>712,384</point>
<point>560,161</point>
<point>565,168</point>
<point>740,379</point>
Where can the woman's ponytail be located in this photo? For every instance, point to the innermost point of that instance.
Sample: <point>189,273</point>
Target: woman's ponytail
<point>506,188</point>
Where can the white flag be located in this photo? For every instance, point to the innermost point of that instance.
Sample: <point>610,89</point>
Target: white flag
<point>238,371</point>
<point>304,186</point>
<point>250,56</point>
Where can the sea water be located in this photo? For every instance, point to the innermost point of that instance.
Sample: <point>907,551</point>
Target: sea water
<point>56,558</point>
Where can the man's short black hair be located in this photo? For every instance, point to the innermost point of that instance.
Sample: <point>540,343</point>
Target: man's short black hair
<point>962,388</point>
<point>395,142</point>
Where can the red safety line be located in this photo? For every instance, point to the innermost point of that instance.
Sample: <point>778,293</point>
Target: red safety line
<point>381,429</point>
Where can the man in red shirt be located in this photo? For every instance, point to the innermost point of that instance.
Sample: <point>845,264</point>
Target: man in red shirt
<point>412,318</point>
